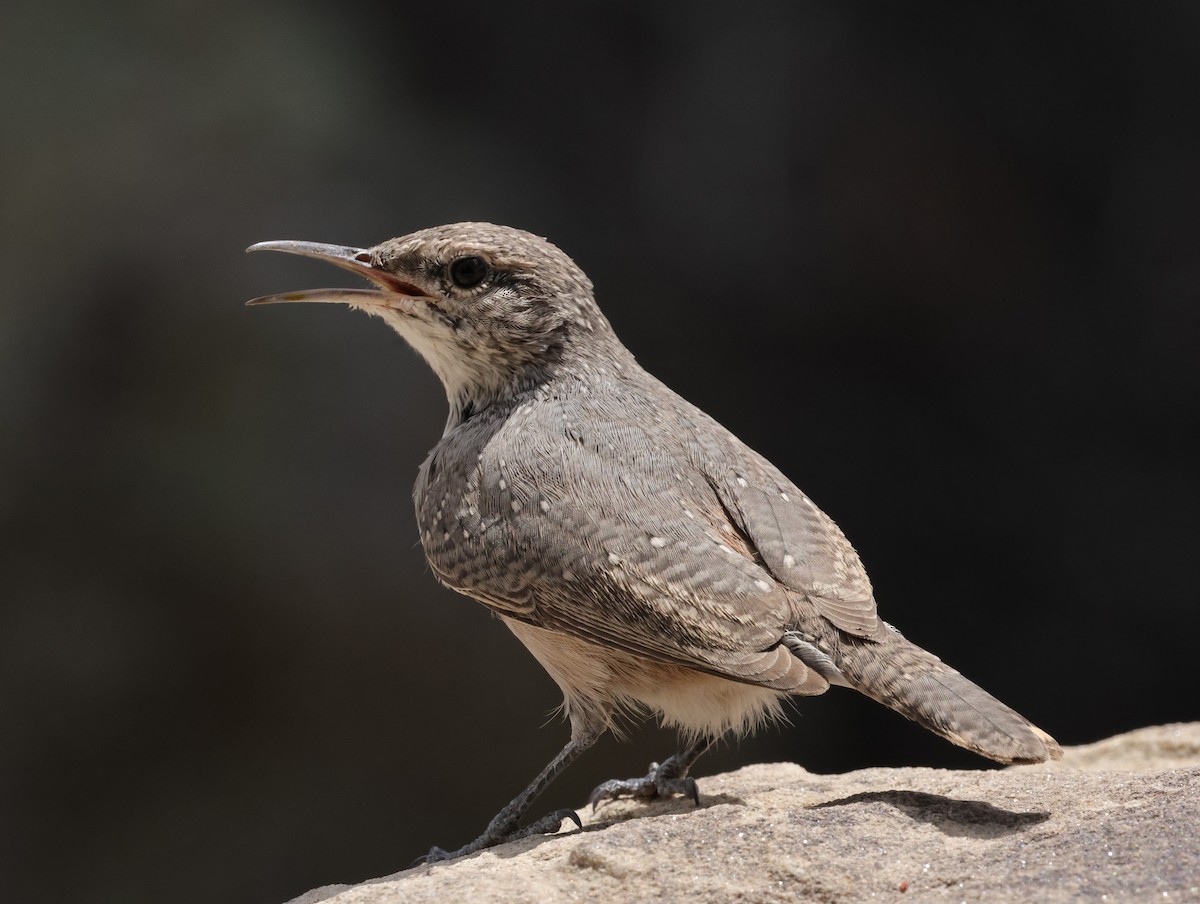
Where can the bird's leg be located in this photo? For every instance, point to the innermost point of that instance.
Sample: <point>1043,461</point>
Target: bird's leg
<point>503,826</point>
<point>664,779</point>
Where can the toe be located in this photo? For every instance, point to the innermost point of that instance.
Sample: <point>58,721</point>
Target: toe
<point>552,823</point>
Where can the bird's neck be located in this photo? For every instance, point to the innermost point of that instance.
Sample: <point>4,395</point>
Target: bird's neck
<point>495,391</point>
<point>471,401</point>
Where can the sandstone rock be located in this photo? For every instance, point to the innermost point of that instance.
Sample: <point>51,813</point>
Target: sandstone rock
<point>1118,820</point>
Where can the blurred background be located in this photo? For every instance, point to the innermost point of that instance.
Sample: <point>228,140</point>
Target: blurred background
<point>939,263</point>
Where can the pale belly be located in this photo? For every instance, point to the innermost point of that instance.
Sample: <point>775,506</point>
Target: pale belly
<point>599,682</point>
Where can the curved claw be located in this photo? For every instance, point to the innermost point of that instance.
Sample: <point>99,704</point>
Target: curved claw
<point>551,823</point>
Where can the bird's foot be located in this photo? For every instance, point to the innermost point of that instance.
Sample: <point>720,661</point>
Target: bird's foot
<point>663,780</point>
<point>500,830</point>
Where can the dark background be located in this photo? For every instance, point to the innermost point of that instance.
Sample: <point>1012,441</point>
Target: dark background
<point>937,261</point>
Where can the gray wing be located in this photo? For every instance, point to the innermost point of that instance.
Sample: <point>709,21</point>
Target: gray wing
<point>798,544</point>
<point>638,557</point>
<point>679,544</point>
<point>669,593</point>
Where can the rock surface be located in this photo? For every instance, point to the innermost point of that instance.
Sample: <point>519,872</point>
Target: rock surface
<point>1118,820</point>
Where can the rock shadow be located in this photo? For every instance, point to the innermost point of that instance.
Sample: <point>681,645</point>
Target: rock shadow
<point>969,818</point>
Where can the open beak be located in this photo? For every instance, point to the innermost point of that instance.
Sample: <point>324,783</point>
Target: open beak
<point>392,292</point>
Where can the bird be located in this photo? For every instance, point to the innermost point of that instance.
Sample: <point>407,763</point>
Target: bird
<point>647,558</point>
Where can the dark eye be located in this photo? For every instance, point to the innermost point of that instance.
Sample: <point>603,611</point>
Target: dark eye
<point>468,272</point>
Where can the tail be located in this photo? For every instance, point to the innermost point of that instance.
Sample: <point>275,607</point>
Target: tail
<point>921,687</point>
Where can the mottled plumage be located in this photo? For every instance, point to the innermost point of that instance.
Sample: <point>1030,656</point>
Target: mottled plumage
<point>647,557</point>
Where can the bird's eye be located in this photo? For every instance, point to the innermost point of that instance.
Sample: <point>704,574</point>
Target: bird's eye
<point>468,272</point>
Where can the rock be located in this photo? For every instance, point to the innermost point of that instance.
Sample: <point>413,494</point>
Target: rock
<point>1144,750</point>
<point>1119,818</point>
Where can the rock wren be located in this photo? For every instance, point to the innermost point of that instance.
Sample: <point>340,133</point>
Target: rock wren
<point>648,559</point>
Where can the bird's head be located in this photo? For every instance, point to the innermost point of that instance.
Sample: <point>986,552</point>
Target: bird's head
<point>491,309</point>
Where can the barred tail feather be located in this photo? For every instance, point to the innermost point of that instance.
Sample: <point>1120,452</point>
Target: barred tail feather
<point>921,687</point>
